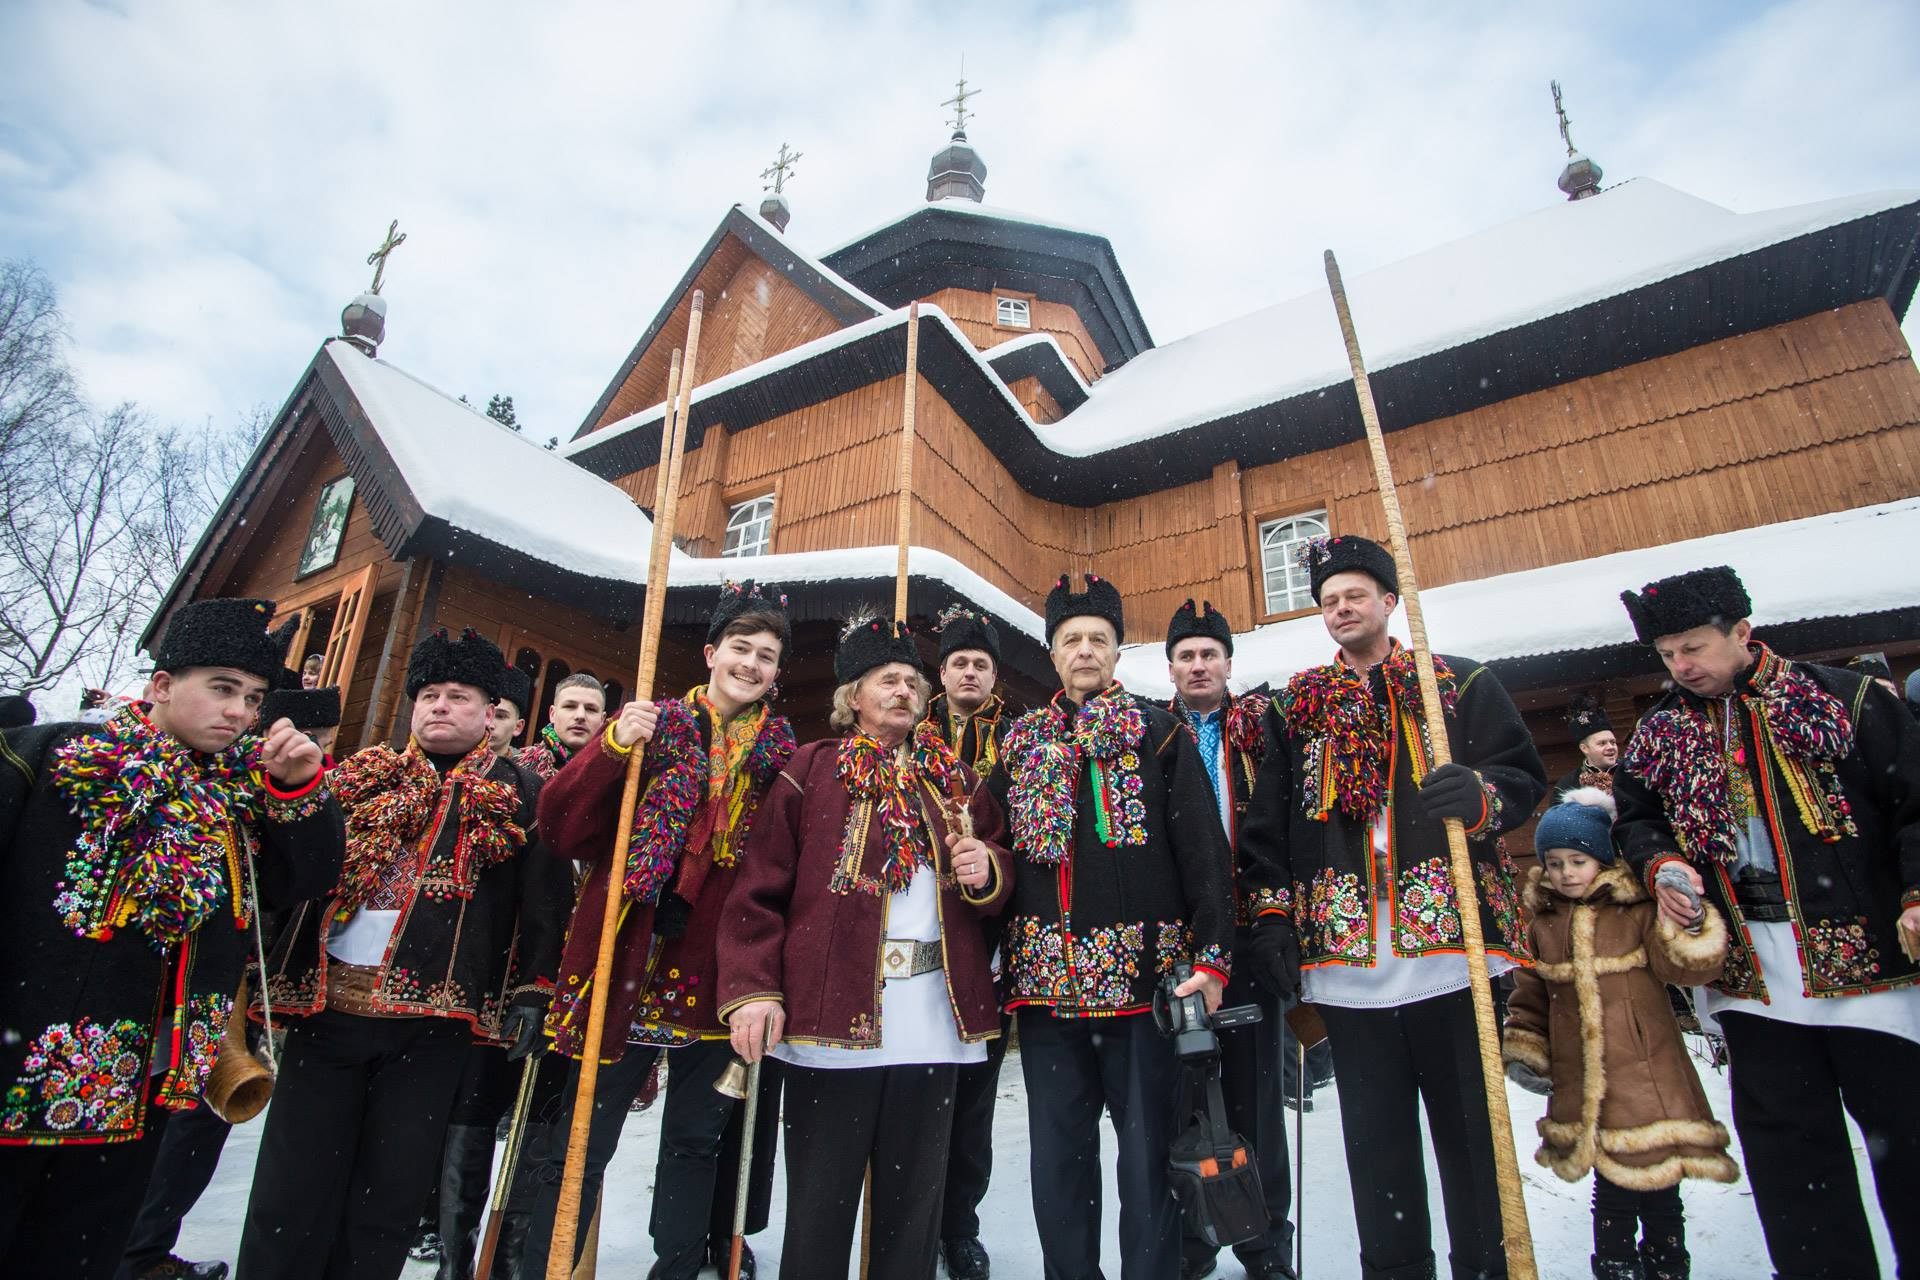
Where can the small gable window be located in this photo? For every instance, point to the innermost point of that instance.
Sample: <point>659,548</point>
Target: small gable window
<point>750,528</point>
<point>1012,313</point>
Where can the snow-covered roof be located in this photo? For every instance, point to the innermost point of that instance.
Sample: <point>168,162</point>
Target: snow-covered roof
<point>1551,261</point>
<point>808,260</point>
<point>972,208</point>
<point>1838,565</point>
<point>454,460</point>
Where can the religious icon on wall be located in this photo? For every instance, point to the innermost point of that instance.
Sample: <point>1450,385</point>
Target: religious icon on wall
<point>329,525</point>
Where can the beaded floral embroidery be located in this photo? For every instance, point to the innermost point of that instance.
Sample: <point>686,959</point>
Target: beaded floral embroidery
<point>1840,953</point>
<point>1679,753</point>
<point>79,1076</point>
<point>1044,750</point>
<point>1347,742</point>
<point>1428,916</point>
<point>156,848</point>
<point>1337,920</point>
<point>1095,969</point>
<point>1502,896</point>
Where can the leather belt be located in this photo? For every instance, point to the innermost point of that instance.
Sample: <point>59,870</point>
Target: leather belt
<point>350,988</point>
<point>908,959</point>
<point>1765,912</point>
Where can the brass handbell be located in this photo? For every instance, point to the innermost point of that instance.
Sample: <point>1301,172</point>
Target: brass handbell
<point>733,1081</point>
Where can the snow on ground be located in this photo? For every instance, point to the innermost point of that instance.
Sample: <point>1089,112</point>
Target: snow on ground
<point>1723,1232</point>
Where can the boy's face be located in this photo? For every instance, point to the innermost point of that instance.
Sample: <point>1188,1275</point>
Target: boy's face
<point>1570,873</point>
<point>504,724</point>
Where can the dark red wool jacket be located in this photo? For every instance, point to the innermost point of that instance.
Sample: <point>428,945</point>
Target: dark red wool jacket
<point>792,936</point>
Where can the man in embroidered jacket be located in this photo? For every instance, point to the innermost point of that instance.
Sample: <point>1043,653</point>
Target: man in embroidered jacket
<point>968,714</point>
<point>707,760</point>
<point>444,929</point>
<point>1789,795</point>
<point>855,956</point>
<point>1230,736</point>
<point>128,853</point>
<point>1122,872</point>
<point>1346,847</point>
<point>577,716</point>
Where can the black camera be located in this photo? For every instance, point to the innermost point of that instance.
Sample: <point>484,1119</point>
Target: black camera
<point>1186,1020</point>
<point>1210,1168</point>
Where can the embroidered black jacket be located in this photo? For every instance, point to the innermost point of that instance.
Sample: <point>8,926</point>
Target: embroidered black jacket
<point>1844,895</point>
<point>1322,874</point>
<point>92,1016</point>
<point>449,957</point>
<point>1245,738</point>
<point>1093,933</point>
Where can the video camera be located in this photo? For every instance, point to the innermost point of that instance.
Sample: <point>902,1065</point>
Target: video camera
<point>1210,1168</point>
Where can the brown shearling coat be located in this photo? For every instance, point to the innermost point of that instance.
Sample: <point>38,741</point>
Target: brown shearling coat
<point>1592,1016</point>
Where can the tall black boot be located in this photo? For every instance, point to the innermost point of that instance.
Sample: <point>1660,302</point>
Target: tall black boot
<point>465,1171</point>
<point>532,1202</point>
<point>1665,1259</point>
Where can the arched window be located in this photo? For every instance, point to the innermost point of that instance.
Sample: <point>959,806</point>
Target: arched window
<point>529,661</point>
<point>1286,582</point>
<point>750,528</point>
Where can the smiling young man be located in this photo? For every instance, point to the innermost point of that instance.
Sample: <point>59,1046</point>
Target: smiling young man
<point>1789,795</point>
<point>1599,749</point>
<point>709,758</point>
<point>444,928</point>
<point>1122,872</point>
<point>855,956</point>
<point>1345,841</point>
<point>578,714</point>
<point>128,853</point>
<point>1230,737</point>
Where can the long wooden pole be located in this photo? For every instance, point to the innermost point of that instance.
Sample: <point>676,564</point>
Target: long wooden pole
<point>1513,1204</point>
<point>566,1221</point>
<point>904,528</point>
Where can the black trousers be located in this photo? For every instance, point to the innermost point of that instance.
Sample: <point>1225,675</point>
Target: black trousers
<point>184,1166</point>
<point>1635,1224</point>
<point>695,1175</point>
<point>1254,1082</point>
<point>1793,1088</point>
<point>1074,1067</point>
<point>1387,1062</point>
<point>970,1149</point>
<point>488,1083</point>
<point>66,1211</point>
<point>838,1122</point>
<point>352,1145</point>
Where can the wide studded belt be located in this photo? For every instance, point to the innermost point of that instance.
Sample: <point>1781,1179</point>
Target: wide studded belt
<point>908,959</point>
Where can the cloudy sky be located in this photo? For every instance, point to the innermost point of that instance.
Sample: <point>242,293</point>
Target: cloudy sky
<point>204,181</point>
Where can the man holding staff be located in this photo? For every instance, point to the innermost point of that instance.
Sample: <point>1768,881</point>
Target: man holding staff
<point>1788,794</point>
<point>1122,873</point>
<point>856,957</point>
<point>1348,855</point>
<point>709,758</point>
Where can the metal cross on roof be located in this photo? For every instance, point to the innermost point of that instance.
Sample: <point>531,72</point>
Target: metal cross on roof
<point>780,170</point>
<point>378,258</point>
<point>1560,109</point>
<point>959,101</point>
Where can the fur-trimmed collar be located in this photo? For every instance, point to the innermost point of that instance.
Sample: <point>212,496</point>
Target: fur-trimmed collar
<point>1614,886</point>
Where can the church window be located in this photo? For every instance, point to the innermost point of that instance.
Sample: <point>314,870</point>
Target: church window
<point>1012,313</point>
<point>1287,586</point>
<point>750,528</point>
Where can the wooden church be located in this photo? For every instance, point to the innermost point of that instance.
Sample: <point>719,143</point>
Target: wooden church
<point>1625,383</point>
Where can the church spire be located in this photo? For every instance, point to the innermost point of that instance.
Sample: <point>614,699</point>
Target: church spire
<point>364,322</point>
<point>775,208</point>
<point>1581,177</point>
<point>957,171</point>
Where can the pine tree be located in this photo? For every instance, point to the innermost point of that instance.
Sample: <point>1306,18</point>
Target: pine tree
<point>500,409</point>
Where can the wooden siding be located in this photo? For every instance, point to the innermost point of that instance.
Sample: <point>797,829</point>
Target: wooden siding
<point>973,311</point>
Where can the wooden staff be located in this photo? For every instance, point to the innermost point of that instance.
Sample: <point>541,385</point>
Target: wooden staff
<point>905,525</point>
<point>1513,1204</point>
<point>566,1221</point>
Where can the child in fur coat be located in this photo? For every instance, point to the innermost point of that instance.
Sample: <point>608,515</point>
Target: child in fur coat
<point>1592,1017</point>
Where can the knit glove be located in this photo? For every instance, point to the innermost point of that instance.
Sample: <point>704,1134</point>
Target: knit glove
<point>1276,956</point>
<point>521,1029</point>
<point>1454,791</point>
<point>1529,1079</point>
<point>671,916</point>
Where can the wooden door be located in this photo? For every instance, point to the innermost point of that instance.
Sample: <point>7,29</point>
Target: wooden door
<point>349,628</point>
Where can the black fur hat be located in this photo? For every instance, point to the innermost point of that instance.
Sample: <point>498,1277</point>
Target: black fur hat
<point>307,708</point>
<point>963,628</point>
<point>1586,717</point>
<point>226,633</point>
<point>1686,601</point>
<point>867,642</point>
<point>1871,665</point>
<point>737,598</point>
<point>17,712</point>
<point>1347,553</point>
<point>1101,599</point>
<point>472,659</point>
<point>1208,624</point>
<point>516,686</point>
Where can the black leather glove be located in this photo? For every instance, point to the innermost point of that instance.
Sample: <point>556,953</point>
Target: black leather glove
<point>671,916</point>
<point>1529,1079</point>
<point>1276,956</point>
<point>1454,791</point>
<point>521,1028</point>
